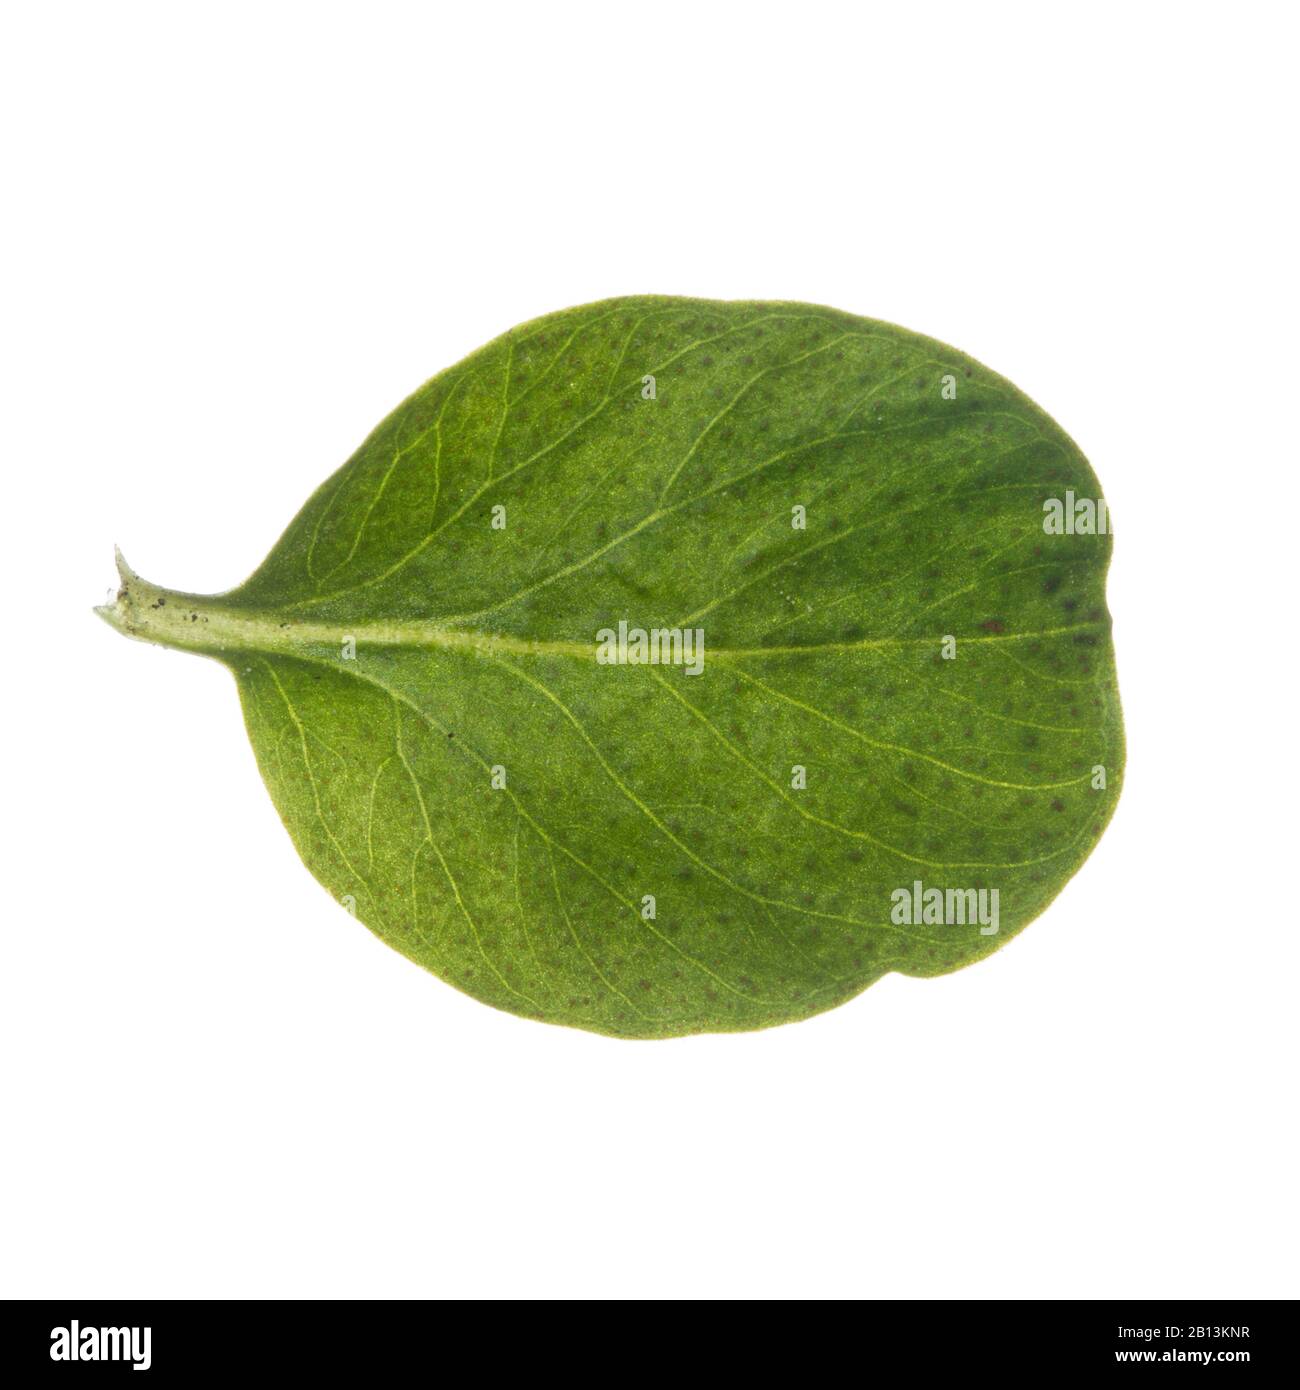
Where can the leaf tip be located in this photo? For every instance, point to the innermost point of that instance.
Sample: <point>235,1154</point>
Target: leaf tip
<point>124,571</point>
<point>114,613</point>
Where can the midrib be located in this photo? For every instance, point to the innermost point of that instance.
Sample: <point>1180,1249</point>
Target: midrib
<point>199,623</point>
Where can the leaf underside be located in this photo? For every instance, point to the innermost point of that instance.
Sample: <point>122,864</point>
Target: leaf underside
<point>420,681</point>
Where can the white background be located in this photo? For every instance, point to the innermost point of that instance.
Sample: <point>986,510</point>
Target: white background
<point>234,237</point>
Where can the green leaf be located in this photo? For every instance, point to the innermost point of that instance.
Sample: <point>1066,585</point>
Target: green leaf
<point>906,682</point>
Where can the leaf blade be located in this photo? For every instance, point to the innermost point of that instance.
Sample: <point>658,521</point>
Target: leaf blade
<point>474,651</point>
